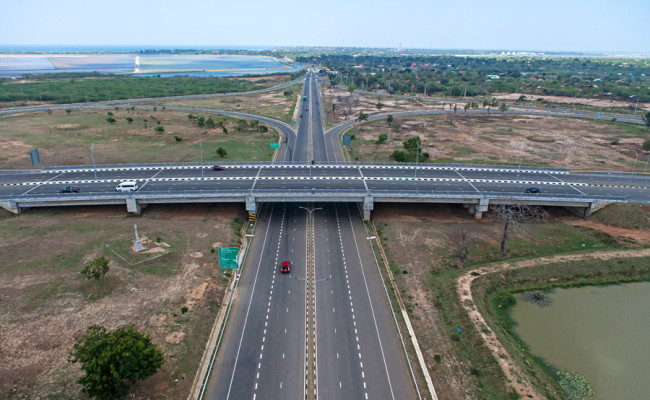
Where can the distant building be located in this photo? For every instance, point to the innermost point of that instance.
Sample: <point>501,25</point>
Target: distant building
<point>493,77</point>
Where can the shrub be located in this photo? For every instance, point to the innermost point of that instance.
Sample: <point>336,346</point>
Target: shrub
<point>178,138</point>
<point>646,145</point>
<point>183,310</point>
<point>159,129</point>
<point>96,269</point>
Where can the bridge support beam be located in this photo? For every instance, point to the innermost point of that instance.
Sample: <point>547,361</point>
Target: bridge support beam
<point>10,206</point>
<point>368,205</point>
<point>480,208</point>
<point>133,206</point>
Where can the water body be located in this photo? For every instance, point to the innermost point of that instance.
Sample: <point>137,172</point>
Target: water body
<point>14,65</point>
<point>602,333</point>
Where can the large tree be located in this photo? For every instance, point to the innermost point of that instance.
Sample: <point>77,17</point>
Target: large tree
<point>113,360</point>
<point>511,214</point>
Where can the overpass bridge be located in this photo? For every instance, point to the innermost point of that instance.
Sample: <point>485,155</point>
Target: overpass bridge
<point>474,186</point>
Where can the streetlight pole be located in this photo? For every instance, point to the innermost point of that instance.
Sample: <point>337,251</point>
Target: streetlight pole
<point>646,164</point>
<point>521,154</point>
<point>201,159</point>
<point>633,168</point>
<point>417,153</point>
<point>92,155</point>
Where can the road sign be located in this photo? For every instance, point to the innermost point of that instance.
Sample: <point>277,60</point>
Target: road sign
<point>293,122</point>
<point>275,145</point>
<point>347,140</point>
<point>251,217</point>
<point>228,257</point>
<point>34,155</point>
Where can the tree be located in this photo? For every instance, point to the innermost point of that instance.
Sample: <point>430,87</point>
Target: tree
<point>334,110</point>
<point>379,105</point>
<point>646,145</point>
<point>114,360</point>
<point>503,108</point>
<point>389,120</point>
<point>159,129</point>
<point>68,111</point>
<point>646,119</point>
<point>96,269</point>
<point>110,120</point>
<point>262,129</point>
<point>362,116</point>
<point>412,144</point>
<point>200,121</point>
<point>221,152</point>
<point>511,214</point>
<point>210,124</point>
<point>463,250</point>
<point>382,138</point>
<point>129,120</point>
<point>110,114</point>
<point>224,130</point>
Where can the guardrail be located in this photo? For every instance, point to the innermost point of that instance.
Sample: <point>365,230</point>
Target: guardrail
<point>357,164</point>
<point>311,193</point>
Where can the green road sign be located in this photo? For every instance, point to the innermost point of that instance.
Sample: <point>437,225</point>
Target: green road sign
<point>228,257</point>
<point>293,122</point>
<point>275,145</point>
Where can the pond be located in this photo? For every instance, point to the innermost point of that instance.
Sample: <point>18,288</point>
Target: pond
<point>602,333</point>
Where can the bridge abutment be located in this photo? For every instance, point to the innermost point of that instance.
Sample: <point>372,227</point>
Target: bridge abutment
<point>480,208</point>
<point>10,206</point>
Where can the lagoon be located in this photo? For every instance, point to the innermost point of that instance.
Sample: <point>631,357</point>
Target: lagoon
<point>602,333</point>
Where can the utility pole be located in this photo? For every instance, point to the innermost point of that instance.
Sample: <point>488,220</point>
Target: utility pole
<point>201,159</point>
<point>633,168</point>
<point>521,154</point>
<point>417,153</point>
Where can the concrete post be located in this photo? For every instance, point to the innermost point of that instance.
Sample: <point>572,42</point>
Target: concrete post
<point>593,207</point>
<point>132,206</point>
<point>368,205</point>
<point>480,208</point>
<point>10,206</point>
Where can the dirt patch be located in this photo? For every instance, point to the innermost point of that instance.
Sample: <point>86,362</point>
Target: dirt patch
<point>573,100</point>
<point>45,304</point>
<point>503,139</point>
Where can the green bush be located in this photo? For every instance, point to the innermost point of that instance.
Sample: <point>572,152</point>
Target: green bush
<point>97,269</point>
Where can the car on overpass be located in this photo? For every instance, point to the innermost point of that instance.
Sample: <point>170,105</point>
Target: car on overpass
<point>286,267</point>
<point>533,190</point>
<point>127,186</point>
<point>69,189</point>
<point>218,168</point>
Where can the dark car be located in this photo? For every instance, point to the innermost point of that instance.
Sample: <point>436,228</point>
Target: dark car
<point>533,190</point>
<point>217,168</point>
<point>286,267</point>
<point>69,189</point>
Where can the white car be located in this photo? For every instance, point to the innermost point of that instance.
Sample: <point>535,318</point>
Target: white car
<point>127,186</point>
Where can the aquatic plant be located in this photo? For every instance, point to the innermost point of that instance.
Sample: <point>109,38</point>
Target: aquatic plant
<point>536,297</point>
<point>574,385</point>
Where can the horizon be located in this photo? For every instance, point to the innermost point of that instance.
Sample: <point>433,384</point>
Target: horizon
<point>582,26</point>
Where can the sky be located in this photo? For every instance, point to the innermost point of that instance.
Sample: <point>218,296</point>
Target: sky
<point>613,26</point>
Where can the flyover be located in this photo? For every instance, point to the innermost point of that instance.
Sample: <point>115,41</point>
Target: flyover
<point>252,183</point>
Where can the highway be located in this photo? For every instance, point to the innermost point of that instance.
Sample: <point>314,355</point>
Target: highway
<point>266,347</point>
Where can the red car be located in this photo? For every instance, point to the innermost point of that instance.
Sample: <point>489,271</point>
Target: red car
<point>286,267</point>
<point>217,168</point>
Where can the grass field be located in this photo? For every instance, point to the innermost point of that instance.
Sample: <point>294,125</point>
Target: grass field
<point>421,244</point>
<point>45,304</point>
<point>270,104</point>
<point>65,138</point>
<point>101,88</point>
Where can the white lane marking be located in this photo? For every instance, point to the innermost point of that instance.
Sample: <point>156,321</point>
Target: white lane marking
<point>466,180</point>
<point>232,377</point>
<point>372,309</point>
<point>569,184</point>
<point>145,184</point>
<point>22,194</point>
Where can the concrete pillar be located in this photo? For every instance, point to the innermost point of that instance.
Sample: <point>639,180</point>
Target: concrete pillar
<point>368,205</point>
<point>480,208</point>
<point>470,208</point>
<point>10,206</point>
<point>133,206</point>
<point>251,205</point>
